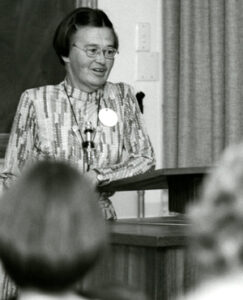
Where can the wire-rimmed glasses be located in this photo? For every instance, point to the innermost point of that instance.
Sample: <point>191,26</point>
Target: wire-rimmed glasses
<point>94,51</point>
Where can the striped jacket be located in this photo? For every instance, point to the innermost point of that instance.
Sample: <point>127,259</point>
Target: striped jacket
<point>50,123</point>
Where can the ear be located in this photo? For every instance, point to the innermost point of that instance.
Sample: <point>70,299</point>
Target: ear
<point>66,59</point>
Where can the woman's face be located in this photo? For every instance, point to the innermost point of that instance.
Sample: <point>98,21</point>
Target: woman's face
<point>89,73</point>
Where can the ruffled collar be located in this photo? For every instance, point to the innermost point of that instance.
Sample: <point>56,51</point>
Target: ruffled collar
<point>81,95</point>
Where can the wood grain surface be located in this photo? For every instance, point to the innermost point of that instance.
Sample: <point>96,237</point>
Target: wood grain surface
<point>150,255</point>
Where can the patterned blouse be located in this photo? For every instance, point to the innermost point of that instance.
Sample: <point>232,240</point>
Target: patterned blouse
<point>50,123</point>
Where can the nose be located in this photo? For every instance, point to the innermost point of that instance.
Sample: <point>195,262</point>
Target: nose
<point>100,57</point>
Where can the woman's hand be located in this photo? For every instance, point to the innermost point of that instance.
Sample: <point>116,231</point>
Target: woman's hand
<point>92,177</point>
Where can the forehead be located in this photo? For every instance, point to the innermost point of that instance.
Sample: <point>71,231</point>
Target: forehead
<point>94,35</point>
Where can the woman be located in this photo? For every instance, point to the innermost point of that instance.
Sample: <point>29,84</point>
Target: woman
<point>51,231</point>
<point>85,119</point>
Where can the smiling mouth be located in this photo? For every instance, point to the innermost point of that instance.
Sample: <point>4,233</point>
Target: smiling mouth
<point>99,71</point>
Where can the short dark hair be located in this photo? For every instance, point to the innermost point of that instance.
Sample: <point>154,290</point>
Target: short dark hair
<point>51,227</point>
<point>79,17</point>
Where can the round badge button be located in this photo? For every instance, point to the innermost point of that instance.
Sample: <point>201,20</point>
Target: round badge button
<point>108,117</point>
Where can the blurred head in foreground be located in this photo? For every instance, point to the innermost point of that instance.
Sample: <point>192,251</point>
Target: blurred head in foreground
<point>51,228</point>
<point>217,218</point>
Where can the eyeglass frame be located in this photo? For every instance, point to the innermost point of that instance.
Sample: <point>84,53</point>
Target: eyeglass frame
<point>98,52</point>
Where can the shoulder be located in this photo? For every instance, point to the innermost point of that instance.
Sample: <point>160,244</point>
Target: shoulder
<point>43,91</point>
<point>123,94</point>
<point>119,87</point>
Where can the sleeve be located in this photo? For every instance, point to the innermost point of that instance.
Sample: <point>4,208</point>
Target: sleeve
<point>21,141</point>
<point>138,153</point>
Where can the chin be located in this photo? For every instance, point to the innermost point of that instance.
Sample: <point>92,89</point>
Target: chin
<point>99,83</point>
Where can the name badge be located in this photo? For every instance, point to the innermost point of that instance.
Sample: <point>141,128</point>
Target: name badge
<point>108,117</point>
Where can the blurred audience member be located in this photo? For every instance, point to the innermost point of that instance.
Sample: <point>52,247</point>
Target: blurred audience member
<point>51,231</point>
<point>217,230</point>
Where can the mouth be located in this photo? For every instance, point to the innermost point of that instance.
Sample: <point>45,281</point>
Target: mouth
<point>99,71</point>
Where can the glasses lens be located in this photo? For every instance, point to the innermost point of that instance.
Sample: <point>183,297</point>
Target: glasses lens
<point>92,51</point>
<point>110,52</point>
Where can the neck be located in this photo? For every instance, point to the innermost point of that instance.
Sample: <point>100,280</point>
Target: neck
<point>75,84</point>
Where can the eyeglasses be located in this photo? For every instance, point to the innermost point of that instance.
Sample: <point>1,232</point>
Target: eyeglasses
<point>93,51</point>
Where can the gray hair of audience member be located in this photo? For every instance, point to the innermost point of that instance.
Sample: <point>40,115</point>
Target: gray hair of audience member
<point>80,17</point>
<point>217,219</point>
<point>51,227</point>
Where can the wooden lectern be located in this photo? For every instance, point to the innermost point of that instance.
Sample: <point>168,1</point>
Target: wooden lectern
<point>183,184</point>
<point>151,254</point>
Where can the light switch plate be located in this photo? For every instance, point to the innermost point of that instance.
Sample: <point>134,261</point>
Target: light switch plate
<point>147,66</point>
<point>142,37</point>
